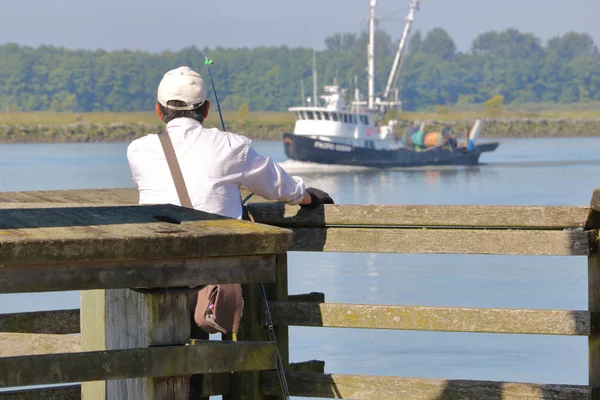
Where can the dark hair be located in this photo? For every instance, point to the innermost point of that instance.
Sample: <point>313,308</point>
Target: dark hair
<point>169,115</point>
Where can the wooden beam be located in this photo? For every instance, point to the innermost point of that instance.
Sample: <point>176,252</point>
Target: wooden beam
<point>446,319</point>
<point>130,274</point>
<point>52,322</point>
<point>20,344</point>
<point>81,234</point>
<point>397,388</point>
<point>71,392</point>
<point>524,217</point>
<point>121,196</point>
<point>593,220</point>
<point>442,241</point>
<point>594,308</point>
<point>312,297</point>
<point>206,357</point>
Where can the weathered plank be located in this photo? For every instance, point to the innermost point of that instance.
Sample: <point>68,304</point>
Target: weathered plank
<point>206,357</point>
<point>312,297</point>
<point>530,217</point>
<point>594,308</point>
<point>135,320</point>
<point>593,220</point>
<point>490,320</point>
<point>397,388</point>
<point>56,322</point>
<point>76,234</point>
<point>19,344</point>
<point>70,392</point>
<point>120,195</point>
<point>130,273</point>
<point>442,241</point>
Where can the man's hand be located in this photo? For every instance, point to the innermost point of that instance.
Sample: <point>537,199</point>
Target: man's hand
<point>317,197</point>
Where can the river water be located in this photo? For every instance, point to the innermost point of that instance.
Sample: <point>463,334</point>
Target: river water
<point>521,172</point>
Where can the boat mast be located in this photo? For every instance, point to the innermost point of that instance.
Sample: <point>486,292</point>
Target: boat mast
<point>315,94</point>
<point>371,54</point>
<point>393,78</point>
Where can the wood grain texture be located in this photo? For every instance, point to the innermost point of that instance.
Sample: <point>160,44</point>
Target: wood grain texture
<point>396,388</point>
<point>208,357</point>
<point>51,322</point>
<point>530,217</point>
<point>446,319</point>
<point>70,392</point>
<point>131,273</point>
<point>442,241</point>
<point>76,234</point>
<point>20,344</point>
<point>136,320</point>
<point>121,196</point>
<point>594,308</point>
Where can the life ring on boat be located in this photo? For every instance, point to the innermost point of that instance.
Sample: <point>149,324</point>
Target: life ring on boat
<point>369,131</point>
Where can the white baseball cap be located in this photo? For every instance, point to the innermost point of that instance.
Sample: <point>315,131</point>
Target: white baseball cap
<point>182,84</point>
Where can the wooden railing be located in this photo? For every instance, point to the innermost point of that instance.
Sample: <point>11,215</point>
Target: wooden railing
<point>551,231</point>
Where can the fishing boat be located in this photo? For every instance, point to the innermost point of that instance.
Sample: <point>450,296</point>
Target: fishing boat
<point>340,134</point>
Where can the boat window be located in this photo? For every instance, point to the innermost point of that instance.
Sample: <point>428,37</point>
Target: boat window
<point>334,116</point>
<point>309,115</point>
<point>317,115</point>
<point>326,116</point>
<point>298,115</point>
<point>353,118</point>
<point>364,119</point>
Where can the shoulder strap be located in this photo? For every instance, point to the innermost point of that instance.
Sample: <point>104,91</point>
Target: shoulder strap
<point>167,145</point>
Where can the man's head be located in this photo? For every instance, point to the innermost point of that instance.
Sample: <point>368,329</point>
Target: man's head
<point>182,93</point>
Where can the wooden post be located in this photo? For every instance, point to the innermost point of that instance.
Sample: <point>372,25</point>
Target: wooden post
<point>124,319</point>
<point>594,295</point>
<point>246,385</point>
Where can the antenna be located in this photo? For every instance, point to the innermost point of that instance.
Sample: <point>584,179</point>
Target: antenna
<point>302,92</point>
<point>395,72</point>
<point>371,54</point>
<point>315,97</point>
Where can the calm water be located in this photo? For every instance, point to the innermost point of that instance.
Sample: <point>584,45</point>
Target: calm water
<point>520,172</point>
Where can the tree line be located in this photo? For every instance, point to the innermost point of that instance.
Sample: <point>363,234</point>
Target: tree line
<point>512,64</point>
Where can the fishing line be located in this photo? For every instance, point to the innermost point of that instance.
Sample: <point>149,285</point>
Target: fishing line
<point>263,294</point>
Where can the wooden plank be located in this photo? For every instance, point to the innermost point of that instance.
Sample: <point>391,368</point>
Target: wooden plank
<point>530,217</point>
<point>130,273</point>
<point>312,366</point>
<point>446,319</point>
<point>71,392</point>
<point>56,322</point>
<point>120,195</point>
<point>593,220</point>
<point>136,320</point>
<point>312,297</point>
<point>594,308</point>
<point>442,241</point>
<point>76,234</point>
<point>209,356</point>
<point>19,344</point>
<point>397,388</point>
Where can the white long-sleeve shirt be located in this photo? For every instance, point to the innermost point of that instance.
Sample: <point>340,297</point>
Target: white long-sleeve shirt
<point>213,164</point>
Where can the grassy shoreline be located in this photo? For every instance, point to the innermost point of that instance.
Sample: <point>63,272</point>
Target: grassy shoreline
<point>51,127</point>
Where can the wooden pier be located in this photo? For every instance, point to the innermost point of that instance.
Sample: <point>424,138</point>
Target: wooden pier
<point>137,346</point>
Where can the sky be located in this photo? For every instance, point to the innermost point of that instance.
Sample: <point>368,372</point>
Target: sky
<point>158,25</point>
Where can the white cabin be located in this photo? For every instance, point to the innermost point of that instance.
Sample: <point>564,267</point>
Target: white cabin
<point>335,122</point>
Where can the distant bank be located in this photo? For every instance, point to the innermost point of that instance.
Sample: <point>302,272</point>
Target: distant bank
<point>100,127</point>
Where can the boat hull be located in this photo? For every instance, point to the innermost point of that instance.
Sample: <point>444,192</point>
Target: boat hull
<point>304,148</point>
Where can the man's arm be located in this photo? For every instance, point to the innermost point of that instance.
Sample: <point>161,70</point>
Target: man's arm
<point>268,180</point>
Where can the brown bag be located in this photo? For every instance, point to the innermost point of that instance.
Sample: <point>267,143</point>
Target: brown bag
<point>218,308</point>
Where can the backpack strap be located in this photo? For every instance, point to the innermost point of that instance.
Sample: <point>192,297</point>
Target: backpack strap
<point>182,193</point>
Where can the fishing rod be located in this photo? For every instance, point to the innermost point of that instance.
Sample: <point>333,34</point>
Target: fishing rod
<point>263,294</point>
